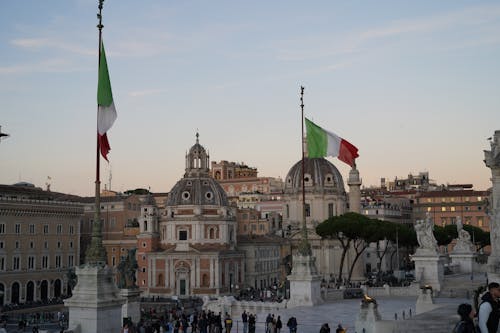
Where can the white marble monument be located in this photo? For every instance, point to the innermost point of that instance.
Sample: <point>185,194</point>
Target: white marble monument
<point>429,265</point>
<point>96,305</point>
<point>464,251</point>
<point>305,282</point>
<point>492,161</point>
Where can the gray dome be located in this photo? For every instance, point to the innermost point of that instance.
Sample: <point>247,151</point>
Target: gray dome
<point>319,175</point>
<point>197,191</point>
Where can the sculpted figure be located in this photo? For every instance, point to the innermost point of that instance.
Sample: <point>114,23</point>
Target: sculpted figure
<point>126,270</point>
<point>425,235</point>
<point>464,243</point>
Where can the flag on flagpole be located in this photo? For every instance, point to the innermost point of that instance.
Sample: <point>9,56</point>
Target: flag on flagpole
<point>106,112</point>
<point>322,143</point>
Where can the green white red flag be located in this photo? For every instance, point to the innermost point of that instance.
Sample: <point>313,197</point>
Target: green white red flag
<point>106,112</point>
<point>322,143</point>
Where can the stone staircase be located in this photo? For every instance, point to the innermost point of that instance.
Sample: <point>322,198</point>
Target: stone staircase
<point>442,319</point>
<point>461,285</point>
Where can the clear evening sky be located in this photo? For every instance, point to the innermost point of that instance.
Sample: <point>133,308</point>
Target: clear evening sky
<point>413,84</point>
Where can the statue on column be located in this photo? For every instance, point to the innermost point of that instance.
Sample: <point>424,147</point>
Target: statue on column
<point>425,234</point>
<point>126,270</point>
<point>464,243</point>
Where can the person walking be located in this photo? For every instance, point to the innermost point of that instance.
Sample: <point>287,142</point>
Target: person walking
<point>489,310</point>
<point>279,325</point>
<point>466,323</point>
<point>340,329</point>
<point>228,322</point>
<point>244,319</point>
<point>324,328</point>
<point>292,324</point>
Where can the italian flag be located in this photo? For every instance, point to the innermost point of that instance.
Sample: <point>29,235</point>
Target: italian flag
<point>322,143</point>
<point>106,112</point>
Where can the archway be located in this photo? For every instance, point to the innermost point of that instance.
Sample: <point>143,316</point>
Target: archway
<point>14,294</point>
<point>57,288</point>
<point>44,291</point>
<point>30,292</point>
<point>2,293</point>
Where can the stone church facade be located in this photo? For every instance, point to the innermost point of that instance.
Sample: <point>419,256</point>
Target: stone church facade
<point>190,247</point>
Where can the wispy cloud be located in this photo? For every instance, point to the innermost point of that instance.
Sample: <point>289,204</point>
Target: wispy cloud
<point>472,16</point>
<point>148,92</point>
<point>48,43</point>
<point>48,66</point>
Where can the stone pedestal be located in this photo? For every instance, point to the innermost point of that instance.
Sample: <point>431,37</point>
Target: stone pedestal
<point>425,301</point>
<point>96,305</point>
<point>305,283</point>
<point>132,307</point>
<point>429,268</point>
<point>464,260</point>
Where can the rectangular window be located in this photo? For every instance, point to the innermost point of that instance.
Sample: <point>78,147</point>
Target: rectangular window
<point>31,262</point>
<point>46,244</point>
<point>479,221</point>
<point>452,209</point>
<point>308,210</point>
<point>46,229</point>
<point>479,198</point>
<point>1,245</point>
<point>32,228</point>
<point>443,209</point>
<point>58,261</point>
<point>71,261</point>
<point>2,228</point>
<point>45,262</point>
<point>18,228</point>
<point>183,234</point>
<point>2,263</point>
<point>16,263</point>
<point>330,210</point>
<point>17,244</point>
<point>71,229</point>
<point>429,199</point>
<point>443,221</point>
<point>59,229</point>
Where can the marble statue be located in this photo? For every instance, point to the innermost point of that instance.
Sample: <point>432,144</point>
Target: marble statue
<point>425,235</point>
<point>463,243</point>
<point>127,269</point>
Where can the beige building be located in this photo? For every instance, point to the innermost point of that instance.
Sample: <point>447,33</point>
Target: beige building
<point>39,243</point>
<point>120,226</point>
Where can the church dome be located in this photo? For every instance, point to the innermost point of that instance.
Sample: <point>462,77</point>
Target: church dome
<point>197,191</point>
<point>197,187</point>
<point>319,175</point>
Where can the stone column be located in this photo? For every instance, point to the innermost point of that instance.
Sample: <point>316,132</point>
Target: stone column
<point>492,161</point>
<point>354,183</point>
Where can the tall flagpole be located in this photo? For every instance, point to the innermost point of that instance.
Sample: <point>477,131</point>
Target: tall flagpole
<point>96,253</point>
<point>304,247</point>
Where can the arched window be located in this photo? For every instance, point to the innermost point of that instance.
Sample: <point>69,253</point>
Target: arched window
<point>205,282</point>
<point>212,233</point>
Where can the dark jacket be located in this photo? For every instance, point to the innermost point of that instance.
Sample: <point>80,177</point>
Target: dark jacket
<point>465,326</point>
<point>494,317</point>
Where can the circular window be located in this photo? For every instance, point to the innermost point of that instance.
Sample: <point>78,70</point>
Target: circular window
<point>306,179</point>
<point>205,183</point>
<point>189,183</point>
<point>144,245</point>
<point>328,179</point>
<point>185,195</point>
<point>209,195</point>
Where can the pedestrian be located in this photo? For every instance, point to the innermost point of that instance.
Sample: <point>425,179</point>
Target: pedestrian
<point>228,322</point>
<point>279,325</point>
<point>244,319</point>
<point>324,328</point>
<point>340,329</point>
<point>292,324</point>
<point>251,323</point>
<point>466,323</point>
<point>489,310</point>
